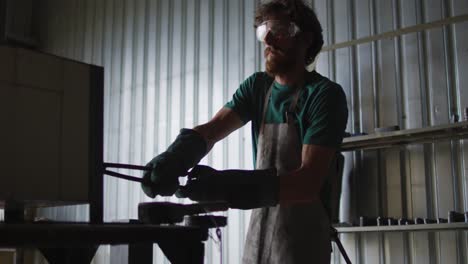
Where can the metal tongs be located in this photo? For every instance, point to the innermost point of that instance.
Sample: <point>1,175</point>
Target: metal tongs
<point>125,166</point>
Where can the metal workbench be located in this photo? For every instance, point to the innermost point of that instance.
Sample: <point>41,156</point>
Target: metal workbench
<point>76,243</point>
<point>178,230</point>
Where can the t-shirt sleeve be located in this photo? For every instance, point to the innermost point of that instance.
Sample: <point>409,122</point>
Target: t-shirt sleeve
<point>327,116</point>
<point>242,101</point>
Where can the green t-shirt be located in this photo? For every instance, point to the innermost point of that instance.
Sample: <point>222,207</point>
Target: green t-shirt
<point>321,112</point>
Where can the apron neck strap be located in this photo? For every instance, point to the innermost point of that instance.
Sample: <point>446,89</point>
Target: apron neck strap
<point>291,109</point>
<point>293,104</point>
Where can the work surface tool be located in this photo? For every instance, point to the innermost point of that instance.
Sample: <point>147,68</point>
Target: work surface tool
<point>124,166</point>
<point>172,213</point>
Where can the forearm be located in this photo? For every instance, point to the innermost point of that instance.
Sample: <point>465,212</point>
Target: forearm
<point>304,184</point>
<point>241,189</point>
<point>206,131</point>
<point>301,186</point>
<point>222,124</point>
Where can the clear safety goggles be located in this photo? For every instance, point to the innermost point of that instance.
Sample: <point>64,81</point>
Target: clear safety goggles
<point>279,29</point>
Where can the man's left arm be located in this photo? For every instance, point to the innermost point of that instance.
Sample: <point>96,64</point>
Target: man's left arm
<point>303,185</point>
<point>248,189</point>
<point>326,118</point>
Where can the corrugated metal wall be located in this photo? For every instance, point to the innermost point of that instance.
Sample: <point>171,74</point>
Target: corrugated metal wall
<point>174,63</point>
<point>411,81</point>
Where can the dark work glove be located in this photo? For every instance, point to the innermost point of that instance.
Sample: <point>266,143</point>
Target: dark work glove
<point>241,189</point>
<point>185,152</point>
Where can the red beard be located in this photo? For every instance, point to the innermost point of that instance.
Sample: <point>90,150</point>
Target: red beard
<point>278,61</point>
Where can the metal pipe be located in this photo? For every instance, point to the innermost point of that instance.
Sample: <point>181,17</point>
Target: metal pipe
<point>126,166</point>
<point>123,176</point>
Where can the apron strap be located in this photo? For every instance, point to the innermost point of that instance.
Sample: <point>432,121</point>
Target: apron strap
<point>291,109</point>
<point>265,107</point>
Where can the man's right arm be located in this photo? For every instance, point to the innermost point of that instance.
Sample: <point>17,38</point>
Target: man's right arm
<point>219,127</point>
<point>186,151</point>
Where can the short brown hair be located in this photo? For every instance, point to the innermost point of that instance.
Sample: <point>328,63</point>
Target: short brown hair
<point>301,14</point>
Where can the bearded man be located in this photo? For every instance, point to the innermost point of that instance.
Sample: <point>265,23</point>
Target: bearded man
<point>298,122</point>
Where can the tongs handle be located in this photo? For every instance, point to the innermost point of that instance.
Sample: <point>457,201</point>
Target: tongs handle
<point>125,166</point>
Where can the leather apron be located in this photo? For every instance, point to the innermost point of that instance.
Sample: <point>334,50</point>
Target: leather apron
<point>293,234</point>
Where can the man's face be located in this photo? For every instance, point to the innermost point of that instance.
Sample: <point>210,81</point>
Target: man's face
<point>281,52</point>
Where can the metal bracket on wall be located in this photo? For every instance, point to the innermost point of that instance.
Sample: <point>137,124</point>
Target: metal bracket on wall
<point>399,32</point>
<point>406,137</point>
<point>405,228</point>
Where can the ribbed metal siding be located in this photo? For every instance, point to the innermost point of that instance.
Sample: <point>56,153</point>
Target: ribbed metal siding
<point>174,63</point>
<point>411,81</point>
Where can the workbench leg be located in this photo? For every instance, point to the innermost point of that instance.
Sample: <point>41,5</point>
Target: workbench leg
<point>69,255</point>
<point>140,253</point>
<point>183,253</point>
